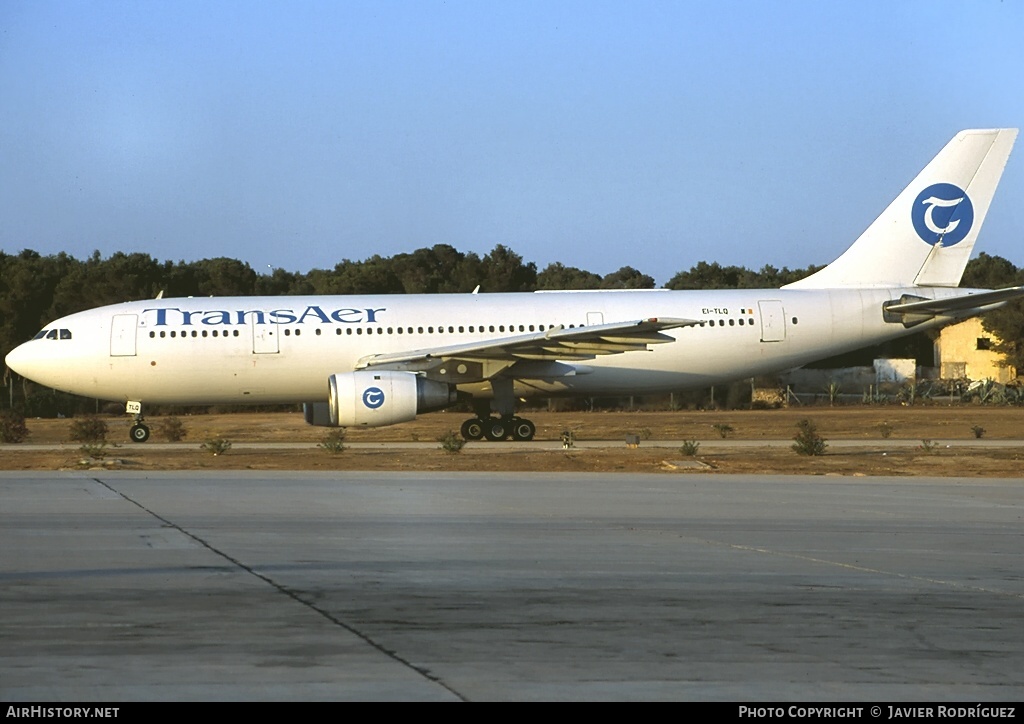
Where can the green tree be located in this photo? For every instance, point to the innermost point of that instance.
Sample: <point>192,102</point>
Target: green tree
<point>502,270</point>
<point>558,276</point>
<point>437,269</point>
<point>715,276</point>
<point>627,278</point>
<point>98,281</point>
<point>1005,323</point>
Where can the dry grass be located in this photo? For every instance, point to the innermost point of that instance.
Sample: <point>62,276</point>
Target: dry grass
<point>873,455</point>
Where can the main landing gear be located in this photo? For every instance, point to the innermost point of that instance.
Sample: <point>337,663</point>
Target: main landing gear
<point>139,431</point>
<point>507,426</point>
<point>499,428</point>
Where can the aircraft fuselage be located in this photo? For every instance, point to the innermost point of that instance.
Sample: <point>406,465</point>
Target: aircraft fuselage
<point>282,349</point>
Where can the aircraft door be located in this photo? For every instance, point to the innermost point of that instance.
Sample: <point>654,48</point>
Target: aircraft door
<point>264,337</point>
<point>773,320</point>
<point>595,319</point>
<point>122,335</point>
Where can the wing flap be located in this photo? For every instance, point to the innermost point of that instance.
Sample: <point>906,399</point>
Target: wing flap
<point>557,343</point>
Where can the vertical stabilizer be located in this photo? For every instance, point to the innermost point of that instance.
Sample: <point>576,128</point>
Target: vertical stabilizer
<point>926,235</point>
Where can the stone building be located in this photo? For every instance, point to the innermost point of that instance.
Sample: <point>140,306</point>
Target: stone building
<point>965,351</point>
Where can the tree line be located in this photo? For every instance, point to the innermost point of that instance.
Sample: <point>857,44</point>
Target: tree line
<point>36,289</point>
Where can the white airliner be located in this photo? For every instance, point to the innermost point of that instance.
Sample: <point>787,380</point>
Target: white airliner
<point>380,360</point>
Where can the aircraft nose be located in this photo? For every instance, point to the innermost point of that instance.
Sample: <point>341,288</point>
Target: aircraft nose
<point>38,361</point>
<point>19,359</point>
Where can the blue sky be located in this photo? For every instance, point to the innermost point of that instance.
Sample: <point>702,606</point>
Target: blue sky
<point>598,134</point>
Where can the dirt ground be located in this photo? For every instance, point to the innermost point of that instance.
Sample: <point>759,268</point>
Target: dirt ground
<point>878,455</point>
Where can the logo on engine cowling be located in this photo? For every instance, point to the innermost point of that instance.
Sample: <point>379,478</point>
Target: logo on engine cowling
<point>942,214</point>
<point>373,397</point>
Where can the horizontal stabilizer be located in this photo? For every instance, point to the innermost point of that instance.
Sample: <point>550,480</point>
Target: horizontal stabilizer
<point>966,302</point>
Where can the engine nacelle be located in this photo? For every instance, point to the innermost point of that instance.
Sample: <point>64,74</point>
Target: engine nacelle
<point>373,399</point>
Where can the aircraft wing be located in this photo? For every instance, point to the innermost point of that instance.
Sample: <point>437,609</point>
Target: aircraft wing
<point>968,301</point>
<point>485,358</point>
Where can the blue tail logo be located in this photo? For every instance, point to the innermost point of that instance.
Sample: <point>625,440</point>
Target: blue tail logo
<point>942,214</point>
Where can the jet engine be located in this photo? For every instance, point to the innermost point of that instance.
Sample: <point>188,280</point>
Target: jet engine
<point>370,398</point>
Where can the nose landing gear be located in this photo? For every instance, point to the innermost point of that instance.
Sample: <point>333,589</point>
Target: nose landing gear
<point>139,431</point>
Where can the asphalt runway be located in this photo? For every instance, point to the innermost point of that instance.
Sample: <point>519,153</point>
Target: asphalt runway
<point>246,586</point>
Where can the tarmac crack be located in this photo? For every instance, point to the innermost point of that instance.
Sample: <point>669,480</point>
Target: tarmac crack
<point>293,595</point>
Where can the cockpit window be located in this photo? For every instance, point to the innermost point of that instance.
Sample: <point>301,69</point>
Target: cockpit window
<point>54,334</point>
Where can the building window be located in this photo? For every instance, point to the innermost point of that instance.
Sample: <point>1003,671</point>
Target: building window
<point>984,343</point>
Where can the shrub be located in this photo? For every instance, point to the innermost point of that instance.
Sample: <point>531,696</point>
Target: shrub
<point>216,446</point>
<point>645,433</point>
<point>723,430</point>
<point>95,450</point>
<point>90,429</point>
<point>807,441</point>
<point>172,429</point>
<point>334,441</point>
<point>451,442</point>
<point>885,429</point>
<point>928,446</point>
<point>12,426</point>
<point>978,431</point>
<point>689,448</point>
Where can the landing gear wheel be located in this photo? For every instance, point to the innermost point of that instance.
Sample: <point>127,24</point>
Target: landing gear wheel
<point>139,433</point>
<point>473,429</point>
<point>522,429</point>
<point>495,429</point>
